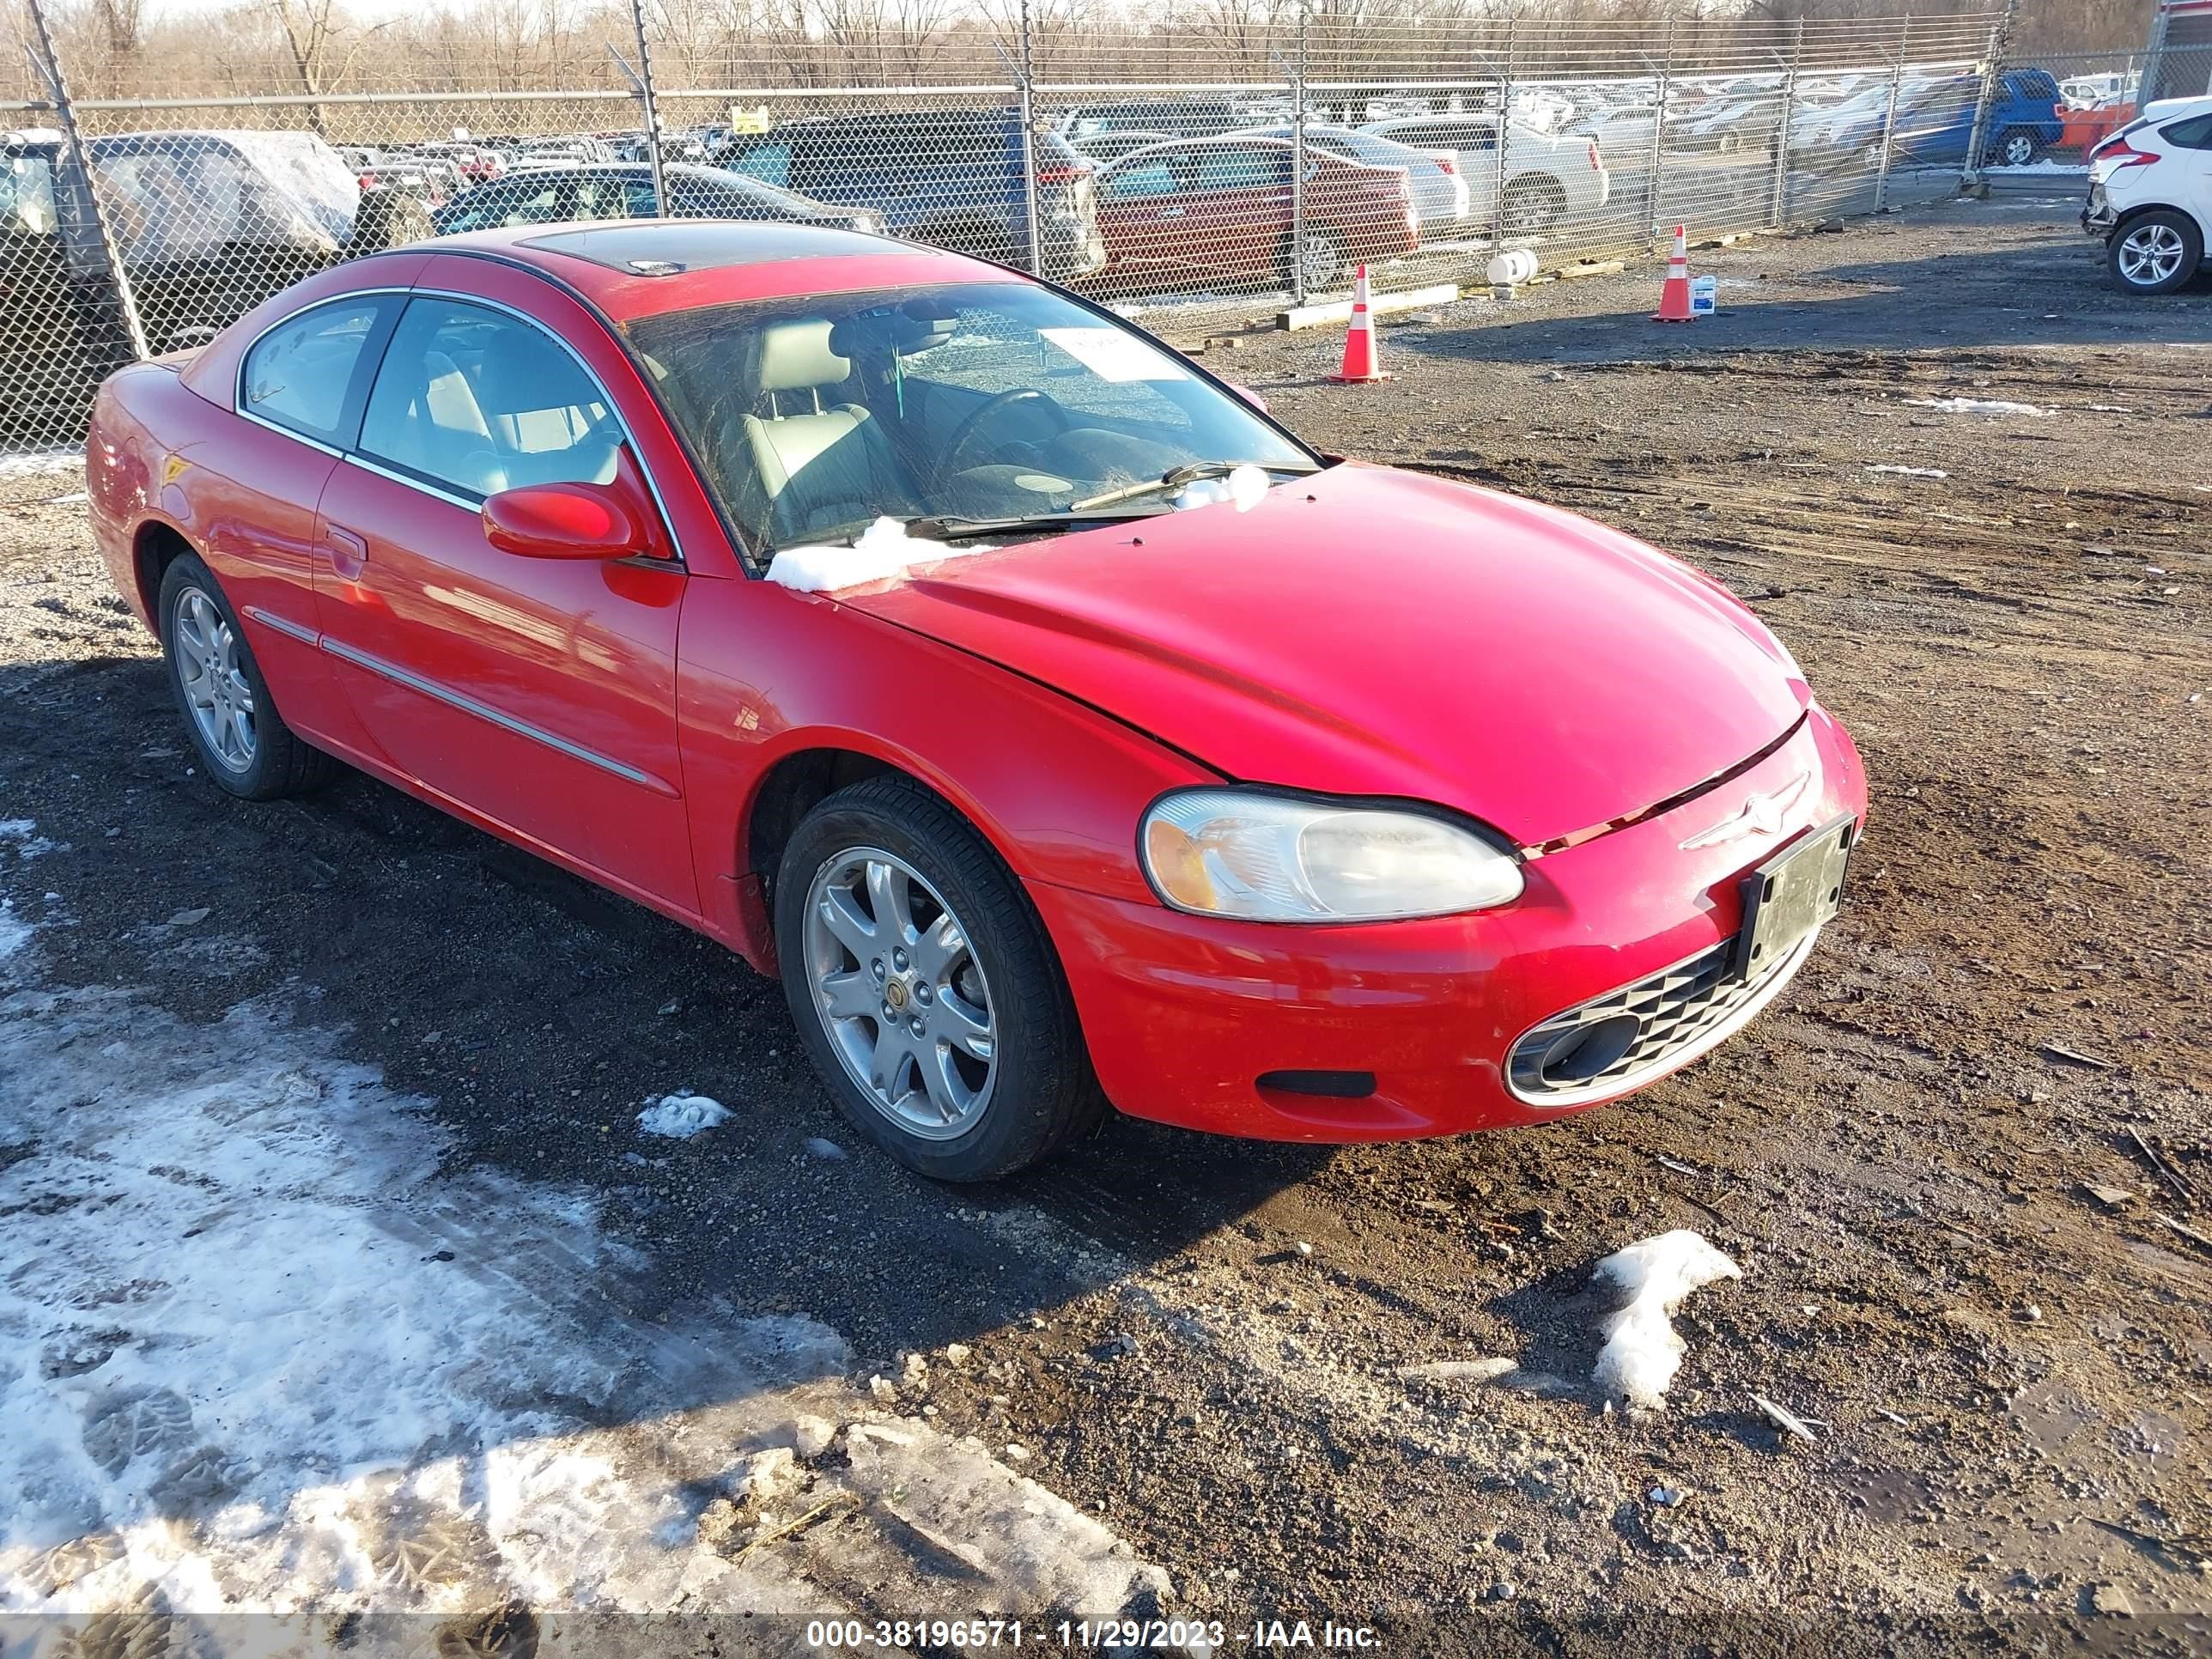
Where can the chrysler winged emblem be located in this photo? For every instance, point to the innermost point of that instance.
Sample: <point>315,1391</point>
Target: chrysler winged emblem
<point>1762,815</point>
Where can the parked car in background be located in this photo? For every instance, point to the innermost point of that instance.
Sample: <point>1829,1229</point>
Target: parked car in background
<point>209,224</point>
<point>1549,177</point>
<point>475,163</point>
<point>1935,120</point>
<point>623,190</point>
<point>1103,147</point>
<point>2150,196</point>
<point>1209,210</point>
<point>952,177</point>
<point>1199,117</point>
<point>2082,127</point>
<point>559,152</point>
<point>429,178</point>
<point>1440,195</point>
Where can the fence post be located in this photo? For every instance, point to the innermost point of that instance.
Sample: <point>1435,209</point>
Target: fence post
<point>1889,120</point>
<point>1024,78</point>
<point>1298,162</point>
<point>77,189</point>
<point>1505,128</point>
<point>652,109</point>
<point>1656,160</point>
<point>1780,214</point>
<point>1970,174</point>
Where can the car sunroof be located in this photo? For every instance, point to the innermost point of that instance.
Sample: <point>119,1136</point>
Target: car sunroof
<point>661,249</point>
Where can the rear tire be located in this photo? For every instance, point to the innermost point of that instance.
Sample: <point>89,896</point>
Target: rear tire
<point>229,716</point>
<point>1534,206</point>
<point>2154,252</point>
<point>1321,255</point>
<point>859,972</point>
<point>2016,147</point>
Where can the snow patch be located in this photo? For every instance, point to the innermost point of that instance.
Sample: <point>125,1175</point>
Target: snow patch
<point>1243,487</point>
<point>682,1116</point>
<point>266,1347</point>
<point>42,465</point>
<point>1642,1352</point>
<point>1907,471</point>
<point>1976,406</point>
<point>881,552</point>
<point>15,931</point>
<point>23,835</point>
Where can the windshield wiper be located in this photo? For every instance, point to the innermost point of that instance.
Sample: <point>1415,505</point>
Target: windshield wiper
<point>1190,473</point>
<point>951,528</point>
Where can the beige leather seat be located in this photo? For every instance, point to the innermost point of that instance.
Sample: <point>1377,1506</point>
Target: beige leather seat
<point>816,463</point>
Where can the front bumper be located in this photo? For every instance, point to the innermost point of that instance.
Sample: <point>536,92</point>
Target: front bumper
<point>1184,1014</point>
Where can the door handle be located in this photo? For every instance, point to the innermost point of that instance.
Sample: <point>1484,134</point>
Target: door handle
<point>349,552</point>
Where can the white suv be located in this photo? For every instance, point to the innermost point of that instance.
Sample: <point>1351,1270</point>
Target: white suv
<point>2150,196</point>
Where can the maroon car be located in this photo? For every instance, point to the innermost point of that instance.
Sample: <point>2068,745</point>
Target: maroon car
<point>1210,209</point>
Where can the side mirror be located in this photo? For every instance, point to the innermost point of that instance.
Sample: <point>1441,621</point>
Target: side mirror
<point>1248,396</point>
<point>568,522</point>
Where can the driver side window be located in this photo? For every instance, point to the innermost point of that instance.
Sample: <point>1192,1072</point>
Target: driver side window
<point>477,401</point>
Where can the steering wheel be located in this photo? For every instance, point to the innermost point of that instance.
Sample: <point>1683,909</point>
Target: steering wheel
<point>990,406</point>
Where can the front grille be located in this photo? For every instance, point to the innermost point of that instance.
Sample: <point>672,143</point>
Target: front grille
<point>1588,1052</point>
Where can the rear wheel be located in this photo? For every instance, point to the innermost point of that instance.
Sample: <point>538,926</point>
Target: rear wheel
<point>243,741</point>
<point>2154,252</point>
<point>1317,256</point>
<point>1533,204</point>
<point>925,988</point>
<point>2016,147</point>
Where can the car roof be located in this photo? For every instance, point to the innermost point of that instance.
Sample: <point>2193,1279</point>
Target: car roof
<point>642,267</point>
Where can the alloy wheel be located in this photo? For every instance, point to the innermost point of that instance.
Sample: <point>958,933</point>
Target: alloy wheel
<point>214,680</point>
<point>901,992</point>
<point>2019,150</point>
<point>1318,261</point>
<point>2150,254</point>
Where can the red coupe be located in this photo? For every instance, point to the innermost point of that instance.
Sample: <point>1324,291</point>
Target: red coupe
<point>1060,729</point>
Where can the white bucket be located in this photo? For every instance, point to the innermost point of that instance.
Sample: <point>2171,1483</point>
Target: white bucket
<point>1514,265</point>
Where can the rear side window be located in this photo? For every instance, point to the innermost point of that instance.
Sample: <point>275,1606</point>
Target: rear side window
<point>477,401</point>
<point>2195,133</point>
<point>299,373</point>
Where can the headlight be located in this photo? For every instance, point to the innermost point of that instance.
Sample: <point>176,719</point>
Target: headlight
<point>1271,858</point>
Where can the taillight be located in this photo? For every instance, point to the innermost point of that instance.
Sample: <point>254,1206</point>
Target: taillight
<point>1058,175</point>
<point>367,181</point>
<point>1446,159</point>
<point>2121,153</point>
<point>1596,165</point>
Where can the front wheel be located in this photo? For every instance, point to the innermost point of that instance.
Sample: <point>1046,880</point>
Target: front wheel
<point>2154,253</point>
<point>924,987</point>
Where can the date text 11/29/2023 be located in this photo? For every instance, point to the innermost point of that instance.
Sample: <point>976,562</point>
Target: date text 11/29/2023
<point>1182,1635</point>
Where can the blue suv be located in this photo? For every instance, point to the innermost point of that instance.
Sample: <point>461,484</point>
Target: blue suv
<point>952,177</point>
<point>2024,122</point>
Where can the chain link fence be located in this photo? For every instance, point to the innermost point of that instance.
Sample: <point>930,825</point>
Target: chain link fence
<point>1224,157</point>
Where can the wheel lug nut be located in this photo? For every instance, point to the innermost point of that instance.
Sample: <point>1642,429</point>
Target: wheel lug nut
<point>898,960</point>
<point>878,966</point>
<point>891,1013</point>
<point>924,995</point>
<point>916,1025</point>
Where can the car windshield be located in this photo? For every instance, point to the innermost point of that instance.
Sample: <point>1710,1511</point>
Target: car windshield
<point>812,417</point>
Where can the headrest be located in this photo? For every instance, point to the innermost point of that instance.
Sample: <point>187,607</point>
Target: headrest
<point>796,357</point>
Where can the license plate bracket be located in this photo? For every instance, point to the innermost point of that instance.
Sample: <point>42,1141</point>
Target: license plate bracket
<point>1790,895</point>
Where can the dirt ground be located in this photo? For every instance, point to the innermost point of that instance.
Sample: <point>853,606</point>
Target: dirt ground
<point>2009,1377</point>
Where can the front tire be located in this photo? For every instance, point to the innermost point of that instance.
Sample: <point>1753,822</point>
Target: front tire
<point>242,740</point>
<point>925,988</point>
<point>2154,252</point>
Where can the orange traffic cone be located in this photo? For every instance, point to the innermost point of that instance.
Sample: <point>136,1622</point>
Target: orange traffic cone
<point>1360,362</point>
<point>1674,296</point>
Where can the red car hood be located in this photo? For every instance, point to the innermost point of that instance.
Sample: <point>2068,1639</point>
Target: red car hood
<point>1370,632</point>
